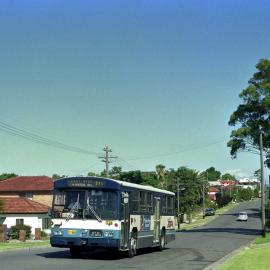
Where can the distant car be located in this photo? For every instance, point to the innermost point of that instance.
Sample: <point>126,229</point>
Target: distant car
<point>209,212</point>
<point>243,216</point>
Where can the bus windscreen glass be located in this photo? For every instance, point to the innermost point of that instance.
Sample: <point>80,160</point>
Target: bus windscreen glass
<point>86,204</point>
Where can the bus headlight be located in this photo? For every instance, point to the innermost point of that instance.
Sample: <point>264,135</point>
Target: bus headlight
<point>108,234</point>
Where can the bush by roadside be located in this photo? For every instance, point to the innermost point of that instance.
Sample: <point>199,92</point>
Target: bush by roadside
<point>15,231</point>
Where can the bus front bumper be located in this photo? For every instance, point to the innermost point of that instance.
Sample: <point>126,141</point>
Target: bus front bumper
<point>62,241</point>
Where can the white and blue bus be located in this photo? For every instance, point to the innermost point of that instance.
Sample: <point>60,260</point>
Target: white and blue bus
<point>95,213</point>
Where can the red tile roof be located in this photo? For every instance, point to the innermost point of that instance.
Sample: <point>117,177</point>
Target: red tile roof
<point>13,205</point>
<point>213,189</point>
<point>27,183</point>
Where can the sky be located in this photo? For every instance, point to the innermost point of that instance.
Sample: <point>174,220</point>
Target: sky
<point>154,80</point>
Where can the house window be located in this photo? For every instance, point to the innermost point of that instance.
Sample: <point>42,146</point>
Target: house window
<point>19,221</point>
<point>29,195</point>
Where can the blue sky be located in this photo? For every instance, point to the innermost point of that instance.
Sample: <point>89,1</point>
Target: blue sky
<point>154,80</point>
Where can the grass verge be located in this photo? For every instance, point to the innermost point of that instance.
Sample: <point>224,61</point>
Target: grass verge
<point>251,259</point>
<point>23,245</point>
<point>262,240</point>
<point>256,257</point>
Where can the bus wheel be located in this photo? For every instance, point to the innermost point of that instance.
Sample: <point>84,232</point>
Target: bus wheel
<point>75,251</point>
<point>161,241</point>
<point>132,250</point>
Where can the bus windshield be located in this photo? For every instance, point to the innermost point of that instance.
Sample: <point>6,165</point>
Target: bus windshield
<point>85,204</point>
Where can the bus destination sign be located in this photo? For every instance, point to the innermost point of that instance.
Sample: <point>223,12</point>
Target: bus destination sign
<point>85,183</point>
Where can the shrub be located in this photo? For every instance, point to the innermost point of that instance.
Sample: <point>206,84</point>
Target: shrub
<point>223,200</point>
<point>15,231</point>
<point>43,234</point>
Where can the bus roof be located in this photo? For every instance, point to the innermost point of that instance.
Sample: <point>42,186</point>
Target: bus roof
<point>61,183</point>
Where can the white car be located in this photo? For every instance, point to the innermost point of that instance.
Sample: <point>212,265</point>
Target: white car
<point>243,216</point>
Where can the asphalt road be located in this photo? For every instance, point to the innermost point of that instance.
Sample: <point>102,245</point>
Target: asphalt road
<point>194,249</point>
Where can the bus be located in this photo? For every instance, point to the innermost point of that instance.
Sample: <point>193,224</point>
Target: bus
<point>91,213</point>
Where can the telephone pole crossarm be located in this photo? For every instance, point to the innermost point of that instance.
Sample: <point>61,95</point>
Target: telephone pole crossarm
<point>106,159</point>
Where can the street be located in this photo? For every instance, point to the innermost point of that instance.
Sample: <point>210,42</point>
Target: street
<point>194,249</point>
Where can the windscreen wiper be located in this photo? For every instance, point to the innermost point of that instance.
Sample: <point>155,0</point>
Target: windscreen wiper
<point>90,207</point>
<point>74,209</point>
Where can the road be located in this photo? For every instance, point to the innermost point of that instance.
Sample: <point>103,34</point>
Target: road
<point>194,249</point>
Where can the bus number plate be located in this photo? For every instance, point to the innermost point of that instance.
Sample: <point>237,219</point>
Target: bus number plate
<point>71,231</point>
<point>95,233</point>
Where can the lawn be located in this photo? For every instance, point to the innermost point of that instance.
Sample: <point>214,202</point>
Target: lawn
<point>256,257</point>
<point>22,245</point>
<point>263,240</point>
<point>252,259</point>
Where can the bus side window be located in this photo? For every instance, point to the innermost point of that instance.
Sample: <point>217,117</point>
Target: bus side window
<point>170,205</point>
<point>164,205</point>
<point>150,202</point>
<point>135,201</point>
<point>143,201</point>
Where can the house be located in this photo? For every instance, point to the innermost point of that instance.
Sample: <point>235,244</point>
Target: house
<point>228,184</point>
<point>249,183</point>
<point>26,200</point>
<point>212,191</point>
<point>18,211</point>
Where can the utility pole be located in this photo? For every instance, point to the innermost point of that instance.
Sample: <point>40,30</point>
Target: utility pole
<point>262,183</point>
<point>178,204</point>
<point>106,159</point>
<point>203,198</point>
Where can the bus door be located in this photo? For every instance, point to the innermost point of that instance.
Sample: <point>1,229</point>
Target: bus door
<point>156,219</point>
<point>124,220</point>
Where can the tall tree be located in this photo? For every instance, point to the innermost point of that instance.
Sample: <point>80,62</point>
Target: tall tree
<point>190,188</point>
<point>132,177</point>
<point>253,115</point>
<point>150,178</point>
<point>160,171</point>
<point>228,176</point>
<point>115,172</point>
<point>212,174</point>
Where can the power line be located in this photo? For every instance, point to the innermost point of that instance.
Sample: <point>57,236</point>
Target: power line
<point>33,137</point>
<point>177,152</point>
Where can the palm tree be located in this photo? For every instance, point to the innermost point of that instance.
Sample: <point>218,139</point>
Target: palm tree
<point>160,171</point>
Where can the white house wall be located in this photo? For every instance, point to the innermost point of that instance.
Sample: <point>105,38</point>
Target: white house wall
<point>33,221</point>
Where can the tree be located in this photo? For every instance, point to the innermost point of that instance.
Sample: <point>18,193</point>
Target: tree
<point>253,115</point>
<point>257,174</point>
<point>56,176</point>
<point>149,178</point>
<point>92,174</point>
<point>190,187</point>
<point>211,174</point>
<point>5,176</point>
<point>115,172</point>
<point>228,176</point>
<point>132,177</point>
<point>160,170</point>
